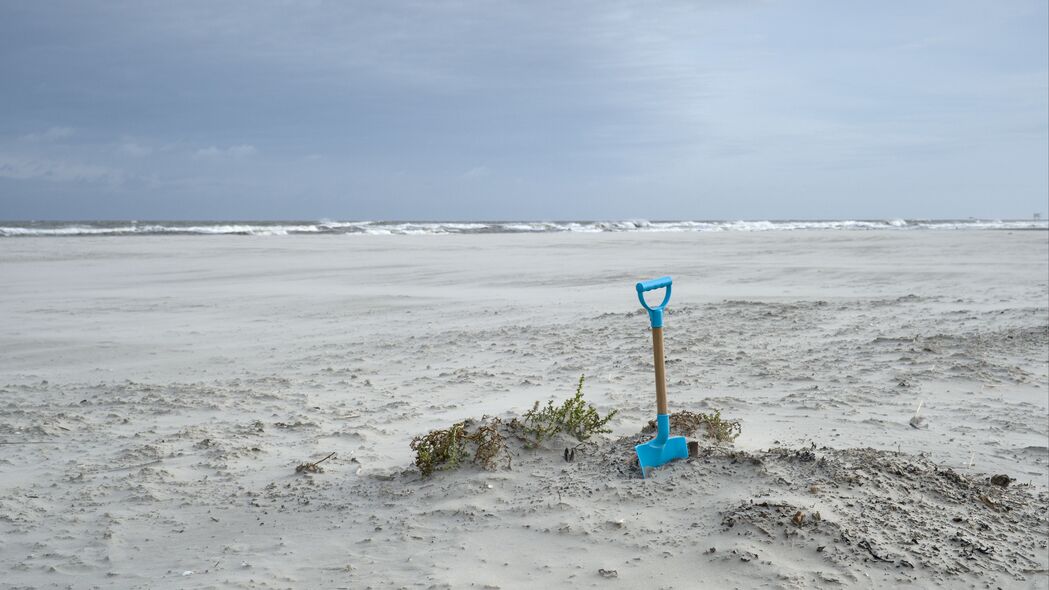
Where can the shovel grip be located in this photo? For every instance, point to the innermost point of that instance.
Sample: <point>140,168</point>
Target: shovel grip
<point>654,284</point>
<point>655,314</point>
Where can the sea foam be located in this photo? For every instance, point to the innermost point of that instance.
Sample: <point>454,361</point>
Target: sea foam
<point>283,228</point>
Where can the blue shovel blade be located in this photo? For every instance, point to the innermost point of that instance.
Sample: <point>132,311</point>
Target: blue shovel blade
<point>652,454</point>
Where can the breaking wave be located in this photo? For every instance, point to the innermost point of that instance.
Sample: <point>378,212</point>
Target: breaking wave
<point>283,228</point>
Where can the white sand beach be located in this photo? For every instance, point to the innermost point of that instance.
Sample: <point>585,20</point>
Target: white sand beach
<point>158,392</point>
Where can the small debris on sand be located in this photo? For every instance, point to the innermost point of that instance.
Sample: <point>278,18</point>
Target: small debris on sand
<point>1001,480</point>
<point>918,421</point>
<point>313,467</point>
<point>693,448</point>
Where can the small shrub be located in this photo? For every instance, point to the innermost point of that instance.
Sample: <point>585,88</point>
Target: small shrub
<point>575,417</point>
<point>720,429</point>
<point>448,448</point>
<point>439,449</point>
<point>483,442</point>
<point>489,443</point>
<point>688,423</point>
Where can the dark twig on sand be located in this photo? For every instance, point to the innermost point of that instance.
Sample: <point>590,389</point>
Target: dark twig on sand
<point>313,467</point>
<point>865,544</point>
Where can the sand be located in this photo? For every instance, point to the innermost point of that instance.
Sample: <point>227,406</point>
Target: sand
<point>157,393</point>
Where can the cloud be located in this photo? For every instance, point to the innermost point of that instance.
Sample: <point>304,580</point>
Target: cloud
<point>48,135</point>
<point>477,172</point>
<point>134,149</point>
<point>234,151</point>
<point>28,168</point>
<point>787,107</point>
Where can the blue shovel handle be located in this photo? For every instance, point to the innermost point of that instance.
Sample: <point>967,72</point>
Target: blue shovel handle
<point>655,314</point>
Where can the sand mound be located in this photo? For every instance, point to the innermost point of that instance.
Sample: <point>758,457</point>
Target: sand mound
<point>807,516</point>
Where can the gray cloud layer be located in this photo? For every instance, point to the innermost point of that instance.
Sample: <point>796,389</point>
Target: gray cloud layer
<point>523,110</point>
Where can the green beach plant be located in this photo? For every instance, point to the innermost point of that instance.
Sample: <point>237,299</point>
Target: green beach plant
<point>448,448</point>
<point>575,417</point>
<point>483,442</point>
<point>688,423</point>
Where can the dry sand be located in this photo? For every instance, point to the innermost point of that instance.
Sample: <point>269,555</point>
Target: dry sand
<point>157,393</point>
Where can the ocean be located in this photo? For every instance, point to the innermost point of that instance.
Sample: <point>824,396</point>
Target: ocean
<point>279,228</point>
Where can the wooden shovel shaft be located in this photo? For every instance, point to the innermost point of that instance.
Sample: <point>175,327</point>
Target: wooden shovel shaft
<point>661,378</point>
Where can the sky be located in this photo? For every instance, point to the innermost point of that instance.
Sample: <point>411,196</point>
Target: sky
<point>498,110</point>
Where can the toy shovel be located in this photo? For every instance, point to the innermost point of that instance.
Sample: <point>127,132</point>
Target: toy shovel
<point>663,448</point>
